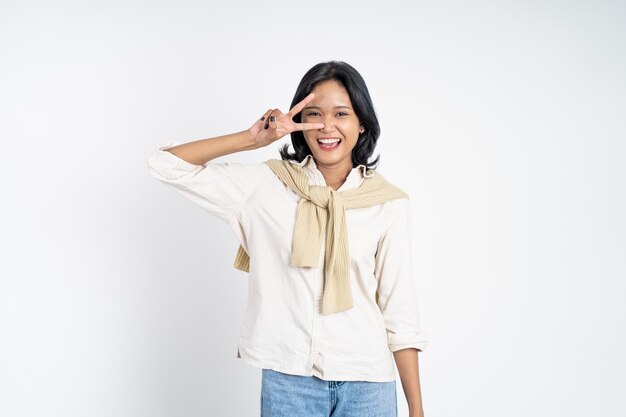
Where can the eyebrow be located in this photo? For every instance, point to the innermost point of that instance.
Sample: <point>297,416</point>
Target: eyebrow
<point>336,107</point>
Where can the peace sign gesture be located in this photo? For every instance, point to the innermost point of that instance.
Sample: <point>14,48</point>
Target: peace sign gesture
<point>274,124</point>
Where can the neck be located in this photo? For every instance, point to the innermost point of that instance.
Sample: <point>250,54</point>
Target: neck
<point>335,175</point>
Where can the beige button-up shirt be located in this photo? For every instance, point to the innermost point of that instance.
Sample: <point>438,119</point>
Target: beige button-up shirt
<point>283,328</point>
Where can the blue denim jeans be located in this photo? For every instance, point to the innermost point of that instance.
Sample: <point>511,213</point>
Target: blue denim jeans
<point>286,395</point>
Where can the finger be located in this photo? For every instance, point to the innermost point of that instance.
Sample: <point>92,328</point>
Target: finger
<point>263,120</point>
<point>272,119</point>
<point>265,115</point>
<point>269,118</point>
<point>298,107</point>
<point>308,126</point>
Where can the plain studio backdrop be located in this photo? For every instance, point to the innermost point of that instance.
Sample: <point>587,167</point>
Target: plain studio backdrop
<point>503,120</point>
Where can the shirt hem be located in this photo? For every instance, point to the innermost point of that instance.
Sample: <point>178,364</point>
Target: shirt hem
<point>315,373</point>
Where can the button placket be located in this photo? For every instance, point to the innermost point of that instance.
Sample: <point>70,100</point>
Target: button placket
<point>318,318</point>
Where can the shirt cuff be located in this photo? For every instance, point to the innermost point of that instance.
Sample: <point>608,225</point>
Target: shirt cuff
<point>168,165</point>
<point>415,340</point>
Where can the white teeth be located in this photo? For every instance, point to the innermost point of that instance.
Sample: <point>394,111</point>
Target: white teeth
<point>328,140</point>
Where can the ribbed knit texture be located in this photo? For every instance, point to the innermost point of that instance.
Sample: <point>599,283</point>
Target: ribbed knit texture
<point>321,211</point>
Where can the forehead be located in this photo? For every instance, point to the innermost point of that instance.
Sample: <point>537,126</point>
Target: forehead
<point>330,91</point>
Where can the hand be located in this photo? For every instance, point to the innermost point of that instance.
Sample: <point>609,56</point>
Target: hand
<point>274,124</point>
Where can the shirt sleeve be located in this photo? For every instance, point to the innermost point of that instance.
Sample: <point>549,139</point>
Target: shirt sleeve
<point>397,296</point>
<point>222,189</point>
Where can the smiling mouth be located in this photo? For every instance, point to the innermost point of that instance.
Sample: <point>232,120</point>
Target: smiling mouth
<point>330,143</point>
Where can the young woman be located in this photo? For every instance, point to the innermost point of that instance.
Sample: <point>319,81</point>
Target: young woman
<point>327,244</point>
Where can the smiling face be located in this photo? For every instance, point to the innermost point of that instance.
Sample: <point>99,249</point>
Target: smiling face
<point>332,145</point>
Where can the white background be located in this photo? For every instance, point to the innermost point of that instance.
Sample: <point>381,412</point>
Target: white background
<point>504,121</point>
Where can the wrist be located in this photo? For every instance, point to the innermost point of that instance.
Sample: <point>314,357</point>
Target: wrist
<point>415,408</point>
<point>248,141</point>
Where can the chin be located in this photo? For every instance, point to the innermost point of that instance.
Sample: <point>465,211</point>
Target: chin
<point>329,159</point>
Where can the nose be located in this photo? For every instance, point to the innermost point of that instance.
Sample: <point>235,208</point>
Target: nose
<point>329,124</point>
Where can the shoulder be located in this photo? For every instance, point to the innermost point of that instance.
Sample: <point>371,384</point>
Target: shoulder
<point>387,185</point>
<point>398,208</point>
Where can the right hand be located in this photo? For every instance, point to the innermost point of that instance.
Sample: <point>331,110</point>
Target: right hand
<point>282,124</point>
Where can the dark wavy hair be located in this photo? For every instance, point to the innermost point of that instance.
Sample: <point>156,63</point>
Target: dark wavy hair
<point>352,81</point>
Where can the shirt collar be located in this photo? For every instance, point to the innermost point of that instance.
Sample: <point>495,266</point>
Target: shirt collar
<point>309,162</point>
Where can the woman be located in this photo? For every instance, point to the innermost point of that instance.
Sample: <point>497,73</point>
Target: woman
<point>326,241</point>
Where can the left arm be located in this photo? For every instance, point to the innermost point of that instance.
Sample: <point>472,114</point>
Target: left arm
<point>408,368</point>
<point>397,299</point>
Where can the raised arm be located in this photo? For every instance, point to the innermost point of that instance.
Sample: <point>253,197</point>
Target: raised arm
<point>269,128</point>
<point>202,151</point>
<point>223,188</point>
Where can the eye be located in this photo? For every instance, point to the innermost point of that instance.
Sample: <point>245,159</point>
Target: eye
<point>312,113</point>
<point>341,113</point>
